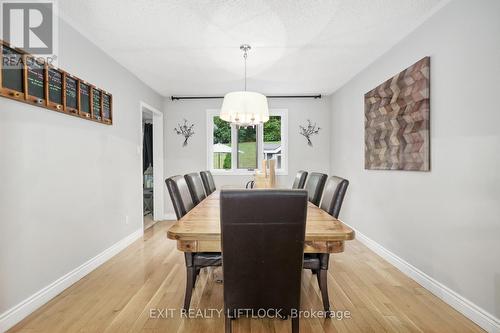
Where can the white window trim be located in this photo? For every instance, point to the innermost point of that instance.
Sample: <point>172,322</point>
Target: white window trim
<point>260,135</point>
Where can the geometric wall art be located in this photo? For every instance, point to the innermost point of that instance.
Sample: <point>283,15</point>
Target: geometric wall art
<point>397,121</point>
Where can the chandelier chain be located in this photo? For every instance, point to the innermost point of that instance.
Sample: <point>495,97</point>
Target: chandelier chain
<point>245,56</point>
<point>245,48</point>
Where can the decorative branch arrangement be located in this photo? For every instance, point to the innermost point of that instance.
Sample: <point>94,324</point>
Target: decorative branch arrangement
<point>185,130</point>
<point>308,131</point>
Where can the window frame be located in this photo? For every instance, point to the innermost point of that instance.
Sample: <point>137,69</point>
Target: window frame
<point>234,171</point>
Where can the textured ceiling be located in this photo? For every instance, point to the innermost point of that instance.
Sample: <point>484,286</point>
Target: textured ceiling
<point>298,46</point>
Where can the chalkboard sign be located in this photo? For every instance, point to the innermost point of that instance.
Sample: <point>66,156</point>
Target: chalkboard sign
<point>36,80</point>
<point>84,99</point>
<point>12,70</point>
<point>55,86</point>
<point>106,106</point>
<point>28,79</point>
<point>71,96</point>
<point>96,104</point>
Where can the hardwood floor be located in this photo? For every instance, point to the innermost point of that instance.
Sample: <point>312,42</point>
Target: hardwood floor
<point>120,296</point>
<point>148,221</point>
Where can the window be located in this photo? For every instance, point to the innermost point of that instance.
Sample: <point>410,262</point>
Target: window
<point>247,148</point>
<point>221,144</point>
<point>272,140</point>
<point>234,150</point>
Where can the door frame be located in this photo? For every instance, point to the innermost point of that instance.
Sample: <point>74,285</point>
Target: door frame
<point>158,160</point>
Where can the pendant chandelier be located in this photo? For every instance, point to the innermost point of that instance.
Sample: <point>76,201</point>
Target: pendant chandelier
<point>245,108</point>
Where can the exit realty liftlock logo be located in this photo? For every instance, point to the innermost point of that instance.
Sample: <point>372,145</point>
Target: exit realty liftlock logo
<point>31,26</point>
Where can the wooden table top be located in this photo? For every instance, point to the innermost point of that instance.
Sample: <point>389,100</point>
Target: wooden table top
<point>199,229</point>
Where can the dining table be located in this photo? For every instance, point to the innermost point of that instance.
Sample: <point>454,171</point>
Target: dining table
<point>199,229</point>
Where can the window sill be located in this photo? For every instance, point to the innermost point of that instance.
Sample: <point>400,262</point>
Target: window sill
<point>218,172</point>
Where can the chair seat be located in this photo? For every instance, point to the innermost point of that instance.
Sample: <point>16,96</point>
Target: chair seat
<point>205,259</point>
<point>311,261</point>
<point>316,261</point>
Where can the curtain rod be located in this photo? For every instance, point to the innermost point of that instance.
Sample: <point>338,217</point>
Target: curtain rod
<point>177,98</point>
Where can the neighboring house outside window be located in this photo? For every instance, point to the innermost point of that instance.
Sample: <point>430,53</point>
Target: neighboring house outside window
<point>272,150</point>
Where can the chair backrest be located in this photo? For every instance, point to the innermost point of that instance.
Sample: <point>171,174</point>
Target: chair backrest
<point>195,186</point>
<point>333,195</point>
<point>300,180</point>
<point>314,186</point>
<point>179,193</point>
<point>208,181</point>
<point>262,248</point>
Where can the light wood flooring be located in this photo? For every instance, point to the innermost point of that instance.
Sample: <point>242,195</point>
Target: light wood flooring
<point>148,221</point>
<point>150,274</point>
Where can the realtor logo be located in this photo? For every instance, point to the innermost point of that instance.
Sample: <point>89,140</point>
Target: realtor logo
<point>29,25</point>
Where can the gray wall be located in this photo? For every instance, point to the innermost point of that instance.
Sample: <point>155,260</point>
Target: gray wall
<point>445,222</point>
<point>67,184</point>
<point>193,157</point>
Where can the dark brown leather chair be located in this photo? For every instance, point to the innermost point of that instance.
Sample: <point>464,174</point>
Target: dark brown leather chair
<point>333,196</point>
<point>300,180</point>
<point>181,199</point>
<point>208,182</point>
<point>180,195</point>
<point>314,186</point>
<point>262,249</point>
<point>195,186</point>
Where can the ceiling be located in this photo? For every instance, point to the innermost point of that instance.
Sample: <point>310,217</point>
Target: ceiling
<point>188,47</point>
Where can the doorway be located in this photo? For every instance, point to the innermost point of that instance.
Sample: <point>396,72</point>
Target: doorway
<point>151,143</point>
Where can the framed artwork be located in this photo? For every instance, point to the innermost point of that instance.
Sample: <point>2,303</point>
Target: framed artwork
<point>397,121</point>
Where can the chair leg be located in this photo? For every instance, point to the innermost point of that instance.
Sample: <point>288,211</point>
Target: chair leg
<point>190,281</point>
<point>229,327</point>
<point>295,325</point>
<point>322,281</point>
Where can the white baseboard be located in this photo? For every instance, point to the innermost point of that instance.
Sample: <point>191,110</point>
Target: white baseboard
<point>470,310</point>
<point>17,313</point>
